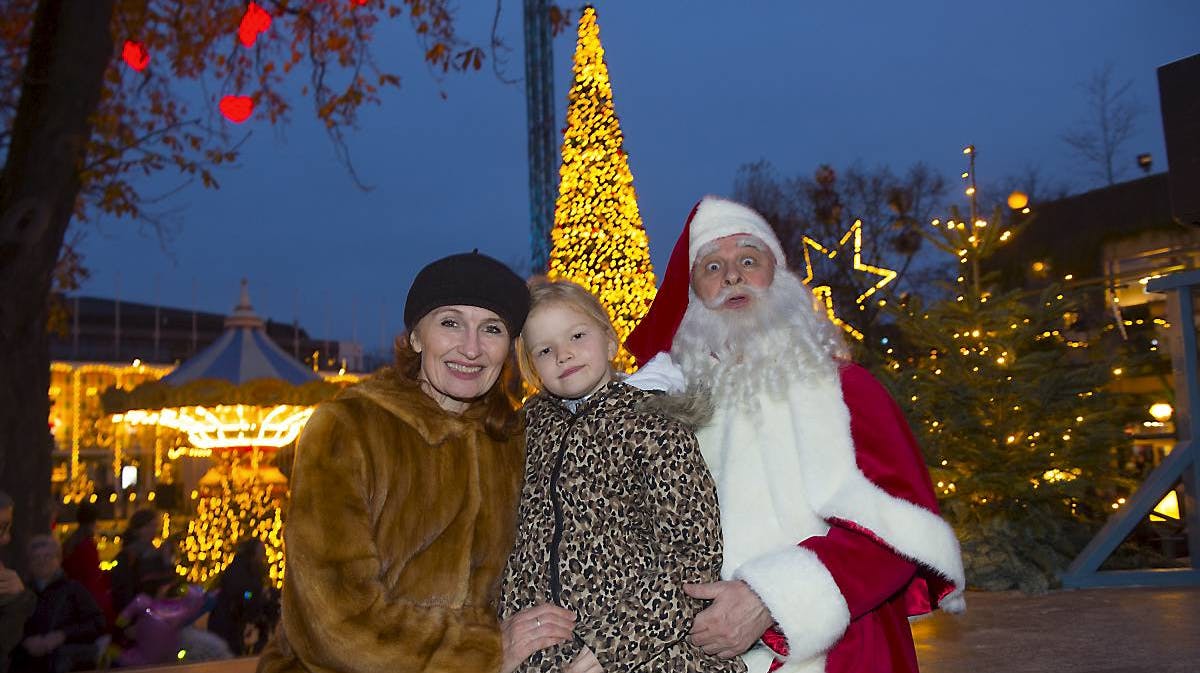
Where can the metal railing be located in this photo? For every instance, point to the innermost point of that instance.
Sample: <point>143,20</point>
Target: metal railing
<point>1181,465</point>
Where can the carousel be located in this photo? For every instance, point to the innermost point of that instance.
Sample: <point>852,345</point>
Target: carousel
<point>224,424</point>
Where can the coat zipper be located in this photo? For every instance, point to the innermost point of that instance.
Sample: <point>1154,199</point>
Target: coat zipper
<point>556,501</point>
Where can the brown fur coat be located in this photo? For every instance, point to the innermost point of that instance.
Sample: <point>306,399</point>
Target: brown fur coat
<point>400,522</point>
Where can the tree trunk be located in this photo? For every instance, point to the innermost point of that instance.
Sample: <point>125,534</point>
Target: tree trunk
<point>64,74</point>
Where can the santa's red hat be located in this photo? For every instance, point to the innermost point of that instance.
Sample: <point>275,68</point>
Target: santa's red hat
<point>711,218</point>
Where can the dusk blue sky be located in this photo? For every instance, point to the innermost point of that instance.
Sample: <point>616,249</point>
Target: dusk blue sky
<point>700,88</point>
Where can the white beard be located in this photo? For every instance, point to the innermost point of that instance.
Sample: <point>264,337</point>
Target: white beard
<point>781,338</point>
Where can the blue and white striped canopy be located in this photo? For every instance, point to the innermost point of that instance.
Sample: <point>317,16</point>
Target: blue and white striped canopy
<point>243,353</point>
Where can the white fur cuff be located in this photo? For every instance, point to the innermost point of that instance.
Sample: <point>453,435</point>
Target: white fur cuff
<point>802,597</point>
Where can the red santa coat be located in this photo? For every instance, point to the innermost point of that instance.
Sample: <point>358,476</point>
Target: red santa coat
<point>880,586</point>
<point>845,477</point>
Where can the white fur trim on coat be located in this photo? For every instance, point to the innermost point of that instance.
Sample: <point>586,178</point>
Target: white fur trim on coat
<point>660,373</point>
<point>839,490</point>
<point>802,597</point>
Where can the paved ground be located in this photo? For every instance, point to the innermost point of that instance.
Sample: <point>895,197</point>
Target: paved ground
<point>1089,631</point>
<point>1086,631</point>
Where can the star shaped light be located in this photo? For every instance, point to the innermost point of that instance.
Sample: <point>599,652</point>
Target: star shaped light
<point>824,293</point>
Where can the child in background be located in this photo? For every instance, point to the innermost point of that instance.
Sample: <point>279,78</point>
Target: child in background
<point>618,510</point>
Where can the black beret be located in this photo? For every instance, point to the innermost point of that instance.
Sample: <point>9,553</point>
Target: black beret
<point>468,279</point>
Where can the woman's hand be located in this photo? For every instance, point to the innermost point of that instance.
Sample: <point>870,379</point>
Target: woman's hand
<point>585,662</point>
<point>534,629</point>
<point>10,582</point>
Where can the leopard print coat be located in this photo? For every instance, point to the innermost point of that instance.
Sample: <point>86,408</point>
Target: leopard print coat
<point>618,511</point>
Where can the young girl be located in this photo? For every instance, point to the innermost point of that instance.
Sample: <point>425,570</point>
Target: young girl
<point>618,510</point>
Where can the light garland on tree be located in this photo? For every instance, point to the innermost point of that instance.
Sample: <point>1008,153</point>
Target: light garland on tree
<point>824,293</point>
<point>226,514</point>
<point>598,238</point>
<point>975,337</point>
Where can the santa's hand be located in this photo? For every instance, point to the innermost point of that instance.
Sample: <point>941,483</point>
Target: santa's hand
<point>53,640</point>
<point>35,646</point>
<point>585,662</point>
<point>736,619</point>
<point>534,629</point>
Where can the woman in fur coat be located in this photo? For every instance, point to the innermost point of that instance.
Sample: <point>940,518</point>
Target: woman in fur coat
<point>404,493</point>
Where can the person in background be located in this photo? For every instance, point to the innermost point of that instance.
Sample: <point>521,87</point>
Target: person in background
<point>16,602</point>
<point>81,559</point>
<point>241,615</point>
<point>137,560</point>
<point>61,634</point>
<point>157,626</point>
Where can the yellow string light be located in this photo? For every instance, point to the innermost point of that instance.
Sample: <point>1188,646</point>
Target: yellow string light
<point>226,514</point>
<point>76,415</point>
<point>824,293</point>
<point>227,425</point>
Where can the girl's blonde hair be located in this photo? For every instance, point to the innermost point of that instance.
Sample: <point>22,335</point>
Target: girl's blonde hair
<point>545,292</point>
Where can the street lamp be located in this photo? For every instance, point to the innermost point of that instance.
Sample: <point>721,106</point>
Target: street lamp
<point>1161,411</point>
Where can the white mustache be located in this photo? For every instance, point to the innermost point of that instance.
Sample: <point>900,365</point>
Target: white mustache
<point>728,292</point>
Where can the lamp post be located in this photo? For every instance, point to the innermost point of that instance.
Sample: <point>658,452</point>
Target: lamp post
<point>1161,411</point>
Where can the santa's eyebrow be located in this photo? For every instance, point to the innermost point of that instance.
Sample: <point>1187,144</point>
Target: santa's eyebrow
<point>742,241</point>
<point>751,242</point>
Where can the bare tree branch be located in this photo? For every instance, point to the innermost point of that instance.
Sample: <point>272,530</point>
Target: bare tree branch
<point>1097,140</point>
<point>500,50</point>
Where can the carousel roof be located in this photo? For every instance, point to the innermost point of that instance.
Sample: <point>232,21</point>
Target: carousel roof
<point>243,353</point>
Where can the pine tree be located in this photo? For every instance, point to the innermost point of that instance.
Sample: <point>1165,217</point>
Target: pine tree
<point>598,238</point>
<point>1011,408</point>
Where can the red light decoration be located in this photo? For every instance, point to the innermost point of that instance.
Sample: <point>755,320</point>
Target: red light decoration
<point>255,21</point>
<point>237,109</point>
<point>135,55</point>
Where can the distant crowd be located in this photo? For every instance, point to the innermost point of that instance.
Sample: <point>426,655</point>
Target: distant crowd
<point>67,614</point>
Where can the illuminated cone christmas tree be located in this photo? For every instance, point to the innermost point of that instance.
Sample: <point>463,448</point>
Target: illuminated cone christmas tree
<point>230,509</point>
<point>598,238</point>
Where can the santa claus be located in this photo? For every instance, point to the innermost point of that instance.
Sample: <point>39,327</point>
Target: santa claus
<point>832,533</point>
